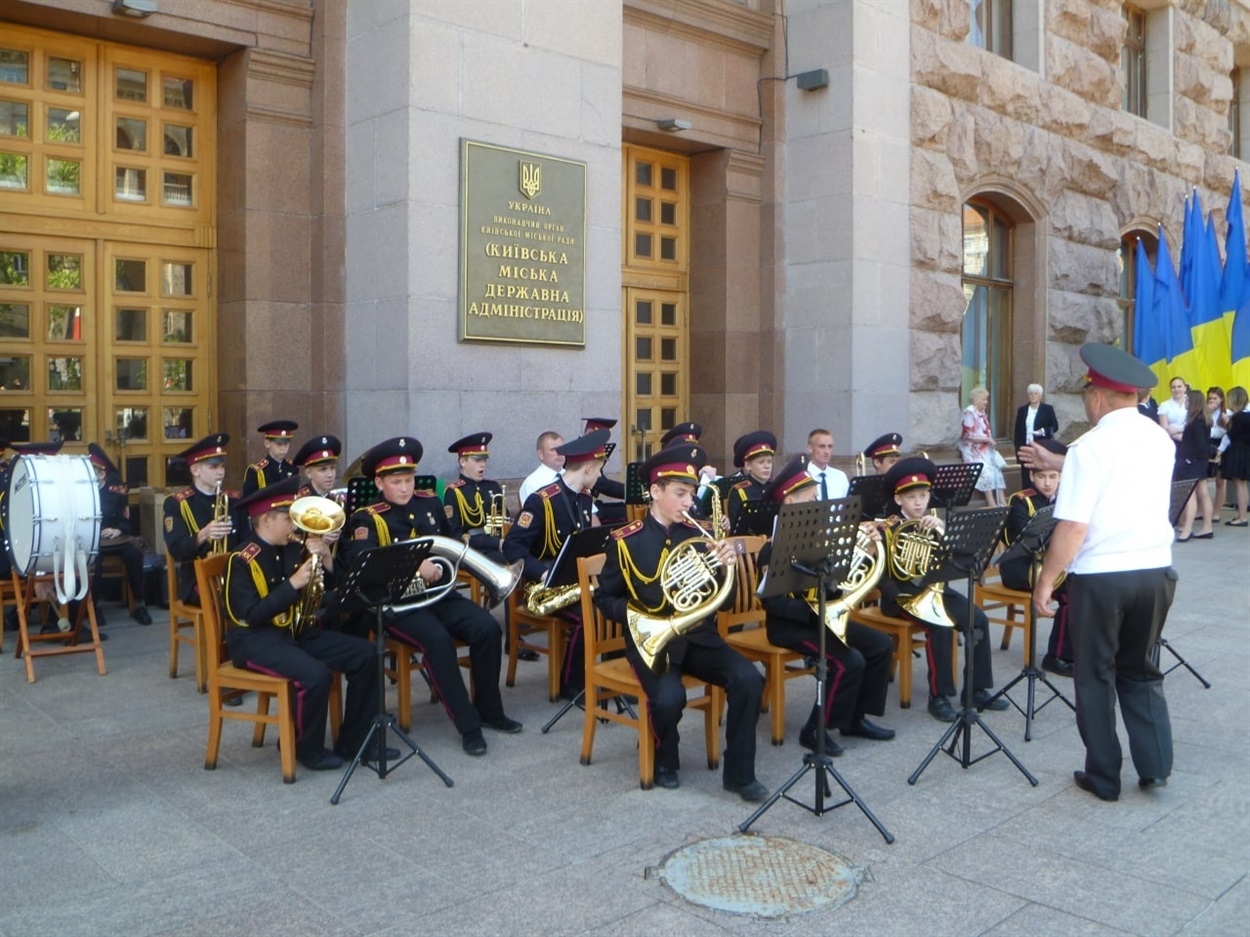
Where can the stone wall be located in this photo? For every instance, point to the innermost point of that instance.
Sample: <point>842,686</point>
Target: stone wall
<point>1054,149</point>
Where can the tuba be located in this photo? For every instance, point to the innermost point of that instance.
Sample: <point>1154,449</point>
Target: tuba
<point>451,554</point>
<point>689,581</point>
<point>915,552</point>
<point>221,512</point>
<point>867,565</point>
<point>315,516</point>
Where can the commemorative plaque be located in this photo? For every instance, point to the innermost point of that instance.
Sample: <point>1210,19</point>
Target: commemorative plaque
<point>522,246</point>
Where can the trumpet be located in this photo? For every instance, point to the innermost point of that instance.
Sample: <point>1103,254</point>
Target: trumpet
<point>689,581</point>
<point>221,512</point>
<point>496,514</point>
<point>318,517</point>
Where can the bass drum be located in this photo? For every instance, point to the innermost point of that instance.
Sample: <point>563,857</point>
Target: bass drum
<point>53,518</point>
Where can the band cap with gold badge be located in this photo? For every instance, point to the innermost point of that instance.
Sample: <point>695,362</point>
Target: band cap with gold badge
<point>276,497</point>
<point>682,432</point>
<point>318,450</point>
<point>909,473</point>
<point>278,429</point>
<point>585,448</point>
<point>760,442</point>
<point>210,449</point>
<point>884,446</point>
<point>597,422</point>
<point>792,478</point>
<point>398,454</point>
<point>475,445</point>
<point>680,462</point>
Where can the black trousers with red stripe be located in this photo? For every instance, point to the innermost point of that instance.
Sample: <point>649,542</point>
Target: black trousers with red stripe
<point>938,649</point>
<point>309,662</point>
<point>858,677</point>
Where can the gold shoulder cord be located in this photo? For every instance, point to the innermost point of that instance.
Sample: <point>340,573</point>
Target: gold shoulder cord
<point>260,478</point>
<point>472,517</point>
<point>552,543</point>
<point>631,572</point>
<point>258,578</point>
<point>384,532</point>
<point>185,508</point>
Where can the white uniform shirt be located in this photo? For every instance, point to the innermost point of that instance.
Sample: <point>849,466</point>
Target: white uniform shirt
<point>537,480</point>
<point>1117,479</point>
<point>1175,412</point>
<point>835,480</point>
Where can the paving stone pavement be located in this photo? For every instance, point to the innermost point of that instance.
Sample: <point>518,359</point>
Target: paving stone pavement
<point>110,825</point>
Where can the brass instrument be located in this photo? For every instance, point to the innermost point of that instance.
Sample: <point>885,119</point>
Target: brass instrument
<point>867,565</point>
<point>318,517</point>
<point>221,512</point>
<point>541,601</point>
<point>450,554</point>
<point>914,552</point>
<point>496,514</point>
<point>861,464</point>
<point>688,578</point>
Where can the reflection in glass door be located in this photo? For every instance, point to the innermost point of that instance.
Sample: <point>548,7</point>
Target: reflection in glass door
<point>657,343</point>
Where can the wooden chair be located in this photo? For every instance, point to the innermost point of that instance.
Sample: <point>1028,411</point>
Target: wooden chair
<point>186,626</point>
<point>8,593</point>
<point>112,567</point>
<point>226,680</point>
<point>609,678</point>
<point>751,641</point>
<point>636,512</point>
<point>1000,604</point>
<point>906,634</point>
<point>402,661</point>
<point>522,625</point>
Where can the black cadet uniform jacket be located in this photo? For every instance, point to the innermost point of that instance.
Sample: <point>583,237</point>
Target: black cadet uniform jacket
<point>266,472</point>
<point>548,518</point>
<point>186,513</point>
<point>467,505</point>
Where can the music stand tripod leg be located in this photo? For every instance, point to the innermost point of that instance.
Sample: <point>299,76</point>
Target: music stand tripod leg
<point>1180,661</point>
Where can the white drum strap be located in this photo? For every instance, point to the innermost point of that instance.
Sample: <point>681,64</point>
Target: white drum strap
<point>71,580</point>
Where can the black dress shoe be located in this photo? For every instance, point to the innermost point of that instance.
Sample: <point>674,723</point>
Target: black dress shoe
<point>667,778</point>
<point>473,743</point>
<point>868,730</point>
<point>526,654</point>
<point>141,615</point>
<point>1086,783</point>
<point>1058,666</point>
<point>807,738</point>
<point>324,760</point>
<point>752,792</point>
<point>984,699</point>
<point>1146,783</point>
<point>940,708</point>
<point>503,724</point>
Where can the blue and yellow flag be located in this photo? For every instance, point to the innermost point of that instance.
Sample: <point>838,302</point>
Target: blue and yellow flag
<point>1235,291</point>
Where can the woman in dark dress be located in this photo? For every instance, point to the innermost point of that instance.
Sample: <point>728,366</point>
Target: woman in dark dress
<point>1235,463</point>
<point>1192,454</point>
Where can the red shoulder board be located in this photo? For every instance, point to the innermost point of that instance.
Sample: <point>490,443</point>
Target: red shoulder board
<point>249,553</point>
<point>551,490</point>
<point>456,484</point>
<point>304,491</point>
<point>380,508</point>
<point>631,528</point>
<point>119,489</point>
<point>262,464</point>
<point>425,493</point>
<point>742,484</point>
<point>1024,494</point>
<point>184,494</point>
<point>233,495</point>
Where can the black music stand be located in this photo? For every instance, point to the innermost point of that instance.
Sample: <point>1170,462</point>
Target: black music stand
<point>635,487</point>
<point>755,518</point>
<point>1181,492</point>
<point>814,540</point>
<point>970,536</point>
<point>871,492</point>
<point>953,484</point>
<point>380,577</point>
<point>563,572</point>
<point>1032,542</point>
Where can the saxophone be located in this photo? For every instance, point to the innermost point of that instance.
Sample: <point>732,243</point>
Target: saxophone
<point>221,512</point>
<point>689,581</point>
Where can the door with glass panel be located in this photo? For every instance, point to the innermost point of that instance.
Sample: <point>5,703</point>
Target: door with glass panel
<point>655,301</point>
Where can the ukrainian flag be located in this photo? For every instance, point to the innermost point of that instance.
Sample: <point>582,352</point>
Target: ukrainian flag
<point>1235,291</point>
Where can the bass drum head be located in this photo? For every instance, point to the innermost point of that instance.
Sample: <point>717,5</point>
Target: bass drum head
<point>45,494</point>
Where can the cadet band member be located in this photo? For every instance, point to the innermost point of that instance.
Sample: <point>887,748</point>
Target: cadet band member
<point>548,518</point>
<point>468,500</point>
<point>609,512</point>
<point>1114,538</point>
<point>319,458</point>
<point>114,521</point>
<point>405,514</point>
<point>189,525</point>
<point>274,467</point>
<point>753,453</point>
<point>907,483</point>
<point>690,432</point>
<point>264,583</point>
<point>858,671</point>
<point>550,464</point>
<point>1017,573</point>
<point>884,451</point>
<point>830,482</point>
<point>631,579</point>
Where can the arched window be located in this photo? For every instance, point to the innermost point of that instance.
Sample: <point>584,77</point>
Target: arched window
<point>1126,260</point>
<point>988,285</point>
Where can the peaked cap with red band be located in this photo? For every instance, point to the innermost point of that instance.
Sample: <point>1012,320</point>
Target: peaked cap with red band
<point>278,429</point>
<point>883,446</point>
<point>1115,369</point>
<point>905,474</point>
<point>212,446</point>
<point>402,453</point>
<point>792,478</point>
<point>682,432</point>
<point>317,450</point>
<point>598,422</point>
<point>273,497</point>
<point>473,444</point>
<point>760,442</point>
<point>585,448</point>
<point>680,462</point>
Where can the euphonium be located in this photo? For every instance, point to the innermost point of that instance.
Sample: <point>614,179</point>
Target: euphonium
<point>451,554</point>
<point>318,517</point>
<point>867,565</point>
<point>914,552</point>
<point>688,578</point>
<point>221,512</point>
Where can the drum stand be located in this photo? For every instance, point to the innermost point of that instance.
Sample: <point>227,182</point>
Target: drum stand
<point>25,598</point>
<point>1032,540</point>
<point>971,535</point>
<point>824,531</point>
<point>380,576</point>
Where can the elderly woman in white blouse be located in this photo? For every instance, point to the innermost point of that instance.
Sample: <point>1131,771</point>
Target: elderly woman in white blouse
<point>976,444</point>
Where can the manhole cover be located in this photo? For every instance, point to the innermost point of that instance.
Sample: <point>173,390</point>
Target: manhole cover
<point>764,876</point>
